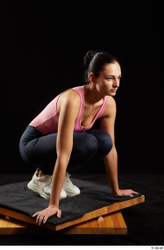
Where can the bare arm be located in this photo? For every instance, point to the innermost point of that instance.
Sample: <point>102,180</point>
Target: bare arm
<point>68,111</point>
<point>107,124</point>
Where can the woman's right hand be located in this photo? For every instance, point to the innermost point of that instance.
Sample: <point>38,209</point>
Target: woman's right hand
<point>43,215</point>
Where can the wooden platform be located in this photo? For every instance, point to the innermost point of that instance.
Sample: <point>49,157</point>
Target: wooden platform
<point>109,224</point>
<point>106,220</point>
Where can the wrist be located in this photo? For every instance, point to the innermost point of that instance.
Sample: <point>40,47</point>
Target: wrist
<point>54,206</point>
<point>115,191</point>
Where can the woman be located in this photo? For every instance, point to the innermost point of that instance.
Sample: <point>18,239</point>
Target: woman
<point>60,136</point>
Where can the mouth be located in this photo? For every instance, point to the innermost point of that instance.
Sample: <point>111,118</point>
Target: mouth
<point>113,90</point>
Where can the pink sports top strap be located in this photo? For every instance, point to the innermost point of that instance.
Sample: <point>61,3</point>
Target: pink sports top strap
<point>78,127</point>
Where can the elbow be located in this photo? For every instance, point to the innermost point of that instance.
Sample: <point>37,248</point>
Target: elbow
<point>113,151</point>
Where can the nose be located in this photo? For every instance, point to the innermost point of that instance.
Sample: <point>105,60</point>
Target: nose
<point>116,83</point>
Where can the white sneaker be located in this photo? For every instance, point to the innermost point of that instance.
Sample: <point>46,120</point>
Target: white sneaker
<point>42,185</point>
<point>69,188</point>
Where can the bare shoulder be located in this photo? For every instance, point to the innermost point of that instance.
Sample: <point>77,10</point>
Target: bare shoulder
<point>69,98</point>
<point>110,109</point>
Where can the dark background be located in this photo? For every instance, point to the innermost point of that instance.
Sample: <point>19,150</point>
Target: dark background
<point>43,45</point>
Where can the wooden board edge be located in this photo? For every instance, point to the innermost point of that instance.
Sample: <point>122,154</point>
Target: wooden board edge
<point>86,217</point>
<point>23,217</point>
<point>111,224</point>
<point>102,211</point>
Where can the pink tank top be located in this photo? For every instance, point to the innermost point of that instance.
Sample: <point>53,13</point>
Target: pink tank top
<point>47,121</point>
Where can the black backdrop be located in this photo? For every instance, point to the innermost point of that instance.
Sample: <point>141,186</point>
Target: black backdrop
<point>43,44</point>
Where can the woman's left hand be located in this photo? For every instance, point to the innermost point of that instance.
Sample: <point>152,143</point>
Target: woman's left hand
<point>126,192</point>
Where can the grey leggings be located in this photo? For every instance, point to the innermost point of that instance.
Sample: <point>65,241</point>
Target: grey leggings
<point>39,150</point>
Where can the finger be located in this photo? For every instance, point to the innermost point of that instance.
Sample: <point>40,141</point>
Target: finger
<point>131,195</point>
<point>135,192</point>
<point>39,219</point>
<point>45,219</point>
<point>35,214</point>
<point>59,213</point>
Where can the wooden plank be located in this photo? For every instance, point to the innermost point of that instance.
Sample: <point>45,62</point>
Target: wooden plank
<point>109,224</point>
<point>22,217</point>
<point>13,226</point>
<point>103,211</point>
<point>86,217</point>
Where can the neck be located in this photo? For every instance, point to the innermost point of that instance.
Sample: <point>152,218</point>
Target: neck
<point>92,96</point>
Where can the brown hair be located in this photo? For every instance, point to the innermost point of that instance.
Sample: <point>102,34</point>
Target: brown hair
<point>94,61</point>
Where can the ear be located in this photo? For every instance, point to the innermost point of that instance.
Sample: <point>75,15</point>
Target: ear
<point>92,78</point>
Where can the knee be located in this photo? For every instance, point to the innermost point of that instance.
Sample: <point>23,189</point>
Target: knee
<point>87,147</point>
<point>106,143</point>
<point>91,145</point>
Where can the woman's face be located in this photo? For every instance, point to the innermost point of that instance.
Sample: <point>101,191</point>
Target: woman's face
<point>108,80</point>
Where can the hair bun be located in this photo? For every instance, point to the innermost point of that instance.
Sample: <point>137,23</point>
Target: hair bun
<point>88,58</point>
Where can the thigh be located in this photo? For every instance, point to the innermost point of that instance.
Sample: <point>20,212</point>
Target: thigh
<point>83,144</point>
<point>42,150</point>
